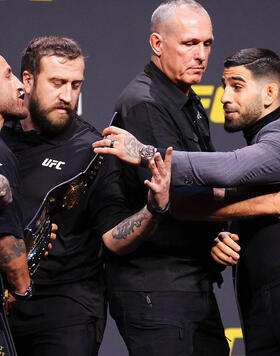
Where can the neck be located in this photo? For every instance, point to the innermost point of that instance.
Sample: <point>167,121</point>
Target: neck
<point>269,109</point>
<point>27,124</point>
<point>185,88</point>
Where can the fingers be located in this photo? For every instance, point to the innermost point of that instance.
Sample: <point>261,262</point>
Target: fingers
<point>217,258</point>
<point>229,239</point>
<point>168,158</point>
<point>150,185</point>
<point>225,250</point>
<point>161,168</point>
<point>112,130</point>
<point>54,227</point>
<point>53,232</point>
<point>48,248</point>
<point>106,142</point>
<point>157,168</point>
<point>109,145</point>
<point>156,177</point>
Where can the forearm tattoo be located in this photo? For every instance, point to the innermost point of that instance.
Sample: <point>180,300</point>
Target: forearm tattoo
<point>10,250</point>
<point>128,226</point>
<point>132,146</point>
<point>5,190</point>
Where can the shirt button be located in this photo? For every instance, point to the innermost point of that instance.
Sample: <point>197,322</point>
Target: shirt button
<point>188,181</point>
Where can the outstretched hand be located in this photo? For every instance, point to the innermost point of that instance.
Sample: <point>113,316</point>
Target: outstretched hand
<point>120,143</point>
<point>158,195</point>
<point>225,250</point>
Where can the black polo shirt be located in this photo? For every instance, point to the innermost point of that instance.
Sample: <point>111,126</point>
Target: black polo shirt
<point>177,256</point>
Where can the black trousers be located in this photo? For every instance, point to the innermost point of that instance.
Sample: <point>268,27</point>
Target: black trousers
<point>262,321</point>
<point>80,340</point>
<point>169,323</point>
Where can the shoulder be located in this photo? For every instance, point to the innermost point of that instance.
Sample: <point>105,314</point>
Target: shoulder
<point>84,130</point>
<point>137,91</point>
<point>146,88</point>
<point>272,129</point>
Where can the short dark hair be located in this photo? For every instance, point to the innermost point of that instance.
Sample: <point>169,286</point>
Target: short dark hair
<point>48,46</point>
<point>260,61</point>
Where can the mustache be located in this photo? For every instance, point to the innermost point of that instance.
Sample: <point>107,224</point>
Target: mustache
<point>64,106</point>
<point>227,107</point>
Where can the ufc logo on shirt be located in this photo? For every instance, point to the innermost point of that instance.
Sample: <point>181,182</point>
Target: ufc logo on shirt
<point>53,163</point>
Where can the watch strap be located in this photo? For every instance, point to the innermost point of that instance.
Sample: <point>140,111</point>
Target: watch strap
<point>26,295</point>
<point>158,212</point>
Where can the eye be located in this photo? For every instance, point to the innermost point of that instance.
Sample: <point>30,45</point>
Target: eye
<point>57,82</point>
<point>76,85</point>
<point>237,86</point>
<point>208,43</point>
<point>188,44</point>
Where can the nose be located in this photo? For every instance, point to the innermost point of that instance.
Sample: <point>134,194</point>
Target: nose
<point>66,93</point>
<point>200,52</point>
<point>226,97</point>
<point>18,83</point>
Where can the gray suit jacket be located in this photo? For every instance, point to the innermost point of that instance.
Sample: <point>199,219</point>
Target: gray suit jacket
<point>256,164</point>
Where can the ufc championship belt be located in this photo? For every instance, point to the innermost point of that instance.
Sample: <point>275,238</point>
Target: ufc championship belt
<point>64,196</point>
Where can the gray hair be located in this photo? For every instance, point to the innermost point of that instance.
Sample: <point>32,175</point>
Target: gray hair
<point>166,9</point>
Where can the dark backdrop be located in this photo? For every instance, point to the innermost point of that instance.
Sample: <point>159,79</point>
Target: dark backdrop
<point>114,37</point>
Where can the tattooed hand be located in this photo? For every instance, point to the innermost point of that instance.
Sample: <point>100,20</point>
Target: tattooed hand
<point>5,192</point>
<point>159,185</point>
<point>120,143</point>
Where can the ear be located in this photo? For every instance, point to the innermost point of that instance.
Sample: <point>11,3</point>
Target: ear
<point>28,81</point>
<point>271,93</point>
<point>156,43</point>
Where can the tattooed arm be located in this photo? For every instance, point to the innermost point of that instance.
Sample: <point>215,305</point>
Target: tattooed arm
<point>133,231</point>
<point>5,192</point>
<point>13,263</point>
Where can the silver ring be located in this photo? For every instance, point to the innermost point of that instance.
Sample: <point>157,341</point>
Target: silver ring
<point>112,143</point>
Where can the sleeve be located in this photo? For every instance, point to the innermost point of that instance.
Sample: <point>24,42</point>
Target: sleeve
<point>253,165</point>
<point>10,216</point>
<point>109,206</point>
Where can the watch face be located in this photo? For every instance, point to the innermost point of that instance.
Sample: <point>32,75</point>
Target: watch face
<point>148,151</point>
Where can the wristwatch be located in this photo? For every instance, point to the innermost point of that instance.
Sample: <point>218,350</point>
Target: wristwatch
<point>26,295</point>
<point>158,212</point>
<point>147,152</point>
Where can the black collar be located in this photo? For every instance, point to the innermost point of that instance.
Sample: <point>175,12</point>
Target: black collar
<point>36,137</point>
<point>250,132</point>
<point>172,91</point>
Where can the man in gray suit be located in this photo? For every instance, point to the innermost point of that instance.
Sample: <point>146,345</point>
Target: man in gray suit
<point>251,104</point>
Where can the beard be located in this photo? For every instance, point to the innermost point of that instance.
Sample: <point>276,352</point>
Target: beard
<point>246,119</point>
<point>41,117</point>
<point>14,112</point>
